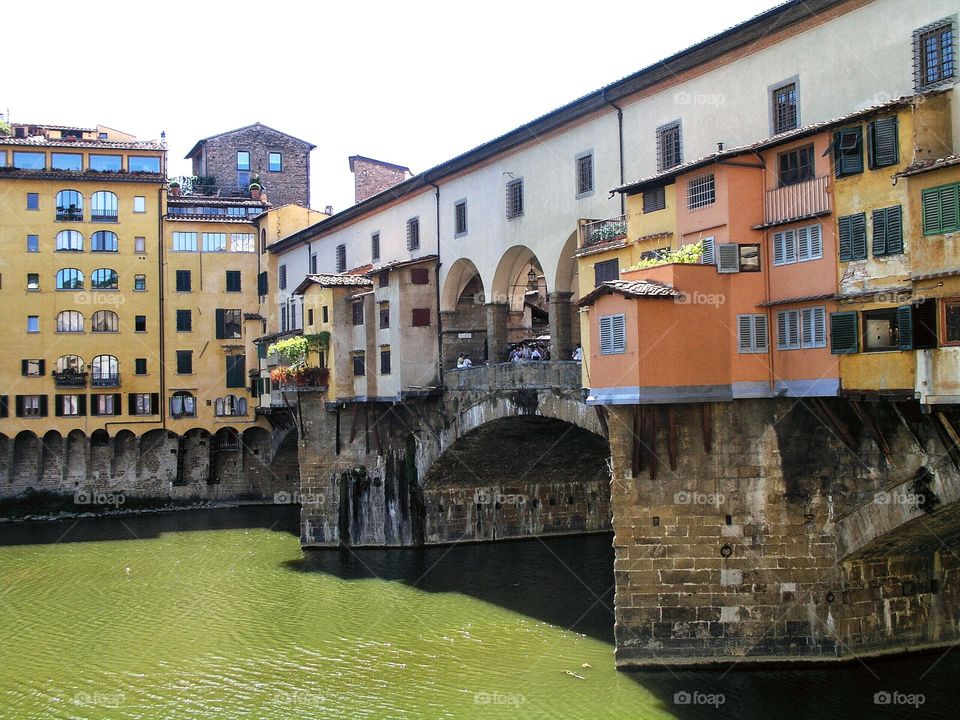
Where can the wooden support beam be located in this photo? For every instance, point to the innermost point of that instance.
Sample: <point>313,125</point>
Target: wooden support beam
<point>636,454</point>
<point>953,441</point>
<point>672,435</point>
<point>838,426</point>
<point>602,417</point>
<point>706,419</point>
<point>906,424</point>
<point>875,432</point>
<point>376,432</point>
<point>366,429</point>
<point>353,423</point>
<point>652,441</point>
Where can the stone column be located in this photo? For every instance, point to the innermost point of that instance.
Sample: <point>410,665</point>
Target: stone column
<point>497,314</point>
<point>561,344</point>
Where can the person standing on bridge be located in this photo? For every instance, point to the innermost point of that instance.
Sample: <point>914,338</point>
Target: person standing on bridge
<point>467,362</point>
<point>578,354</point>
<point>460,360</point>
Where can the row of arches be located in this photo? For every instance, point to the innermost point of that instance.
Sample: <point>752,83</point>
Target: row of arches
<point>70,205</point>
<point>100,279</point>
<point>100,241</point>
<point>102,321</point>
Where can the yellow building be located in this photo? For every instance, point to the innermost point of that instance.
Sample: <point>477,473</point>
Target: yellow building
<point>82,212</point>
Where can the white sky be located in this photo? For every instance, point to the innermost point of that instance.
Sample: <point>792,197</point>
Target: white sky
<point>414,83</point>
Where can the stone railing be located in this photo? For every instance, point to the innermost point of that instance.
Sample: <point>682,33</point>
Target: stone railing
<point>531,374</point>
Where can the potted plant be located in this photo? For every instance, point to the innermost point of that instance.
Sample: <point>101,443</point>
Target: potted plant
<point>255,187</point>
<point>174,188</point>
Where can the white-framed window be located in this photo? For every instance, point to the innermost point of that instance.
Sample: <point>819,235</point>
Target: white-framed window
<point>243,242</point>
<point>184,242</point>
<point>139,244</point>
<point>804,328</point>
<point>69,405</point>
<point>701,191</point>
<point>139,204</point>
<point>613,334</point>
<point>752,334</point>
<point>797,245</point>
<point>214,242</point>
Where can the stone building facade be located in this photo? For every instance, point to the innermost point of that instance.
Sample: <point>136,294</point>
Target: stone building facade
<point>235,158</point>
<point>372,177</point>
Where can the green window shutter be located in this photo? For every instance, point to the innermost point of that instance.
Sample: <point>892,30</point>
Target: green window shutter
<point>117,404</point>
<point>82,405</point>
<point>931,211</point>
<point>131,404</point>
<point>882,144</point>
<point>154,403</point>
<point>879,233</point>
<point>837,160</point>
<point>18,405</point>
<point>94,407</point>
<point>905,327</point>
<point>262,350</point>
<point>43,406</point>
<point>948,209</point>
<point>848,151</point>
<point>894,220</point>
<point>846,245</point>
<point>220,323</point>
<point>58,405</point>
<point>236,369</point>
<point>43,367</point>
<point>23,366</point>
<point>843,333</point>
<point>858,236</point>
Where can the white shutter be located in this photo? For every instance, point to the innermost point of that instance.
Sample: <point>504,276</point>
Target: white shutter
<point>816,242</point>
<point>789,246</point>
<point>619,331</point>
<point>793,328</point>
<point>745,333</point>
<point>728,258</point>
<point>761,341</point>
<point>708,257</point>
<point>819,326</point>
<point>782,331</point>
<point>803,243</point>
<point>778,247</point>
<point>807,327</point>
<point>606,336</point>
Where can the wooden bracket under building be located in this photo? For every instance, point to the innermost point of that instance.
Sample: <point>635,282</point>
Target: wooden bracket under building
<point>706,420</point>
<point>672,436</point>
<point>948,436</point>
<point>602,417</point>
<point>861,412</point>
<point>835,423</point>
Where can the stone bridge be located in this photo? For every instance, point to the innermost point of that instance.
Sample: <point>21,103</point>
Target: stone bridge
<point>748,531</point>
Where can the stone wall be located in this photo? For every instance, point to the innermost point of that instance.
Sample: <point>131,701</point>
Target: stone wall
<point>733,554</point>
<point>371,177</point>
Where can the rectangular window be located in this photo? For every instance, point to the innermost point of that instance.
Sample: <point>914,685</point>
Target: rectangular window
<point>69,405</point>
<point>243,160</point>
<point>313,263</point>
<point>515,198</point>
<point>29,160</point>
<point>243,242</point>
<point>887,329</point>
<point>843,333</point>
<point>752,335</point>
<point>385,361</point>
<point>383,279</point>
<point>282,279</point>
<point>795,166</point>
<point>33,281</point>
<point>584,172</point>
<point>613,336</point>
<point>139,204</point>
<point>139,323</point>
<point>934,55</point>
<point>951,322</point>
<point>701,191</point>
<point>33,201</point>
<point>229,324</point>
<point>72,162</point>
<point>804,328</point>
<point>233,281</point>
<point>384,315</point>
<point>341,258</point>
<point>419,276</point>
<point>214,242</point>
<point>184,362</point>
<point>797,245</point>
<point>848,151</point>
<point>32,368</point>
<point>104,405</point>
<point>144,403</point>
<point>31,405</point>
<point>236,371</point>
<point>460,218</point>
<point>33,243</point>
<point>413,233</point>
<point>33,323</point>
<point>275,162</point>
<point>883,145</point>
<point>106,163</point>
<point>140,366</point>
<point>139,244</point>
<point>262,284</point>
<point>142,163</point>
<point>654,199</point>
<point>139,283</point>
<point>310,316</point>
<point>606,270</point>
<point>887,231</point>
<point>358,363</point>
<point>669,147</point>
<point>184,242</point>
<point>421,317</point>
<point>375,246</point>
<point>325,313</point>
<point>940,209</point>
<point>749,258</point>
<point>183,281</point>
<point>357,311</point>
<point>785,113</point>
<point>853,237</point>
<point>184,320</point>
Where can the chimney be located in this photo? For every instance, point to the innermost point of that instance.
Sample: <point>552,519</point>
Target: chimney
<point>371,177</point>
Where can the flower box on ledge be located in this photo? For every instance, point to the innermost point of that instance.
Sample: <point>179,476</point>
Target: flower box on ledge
<point>309,379</point>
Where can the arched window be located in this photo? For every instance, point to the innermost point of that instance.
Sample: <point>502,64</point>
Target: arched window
<point>183,404</point>
<point>218,407</point>
<point>69,240</point>
<point>69,279</point>
<point>104,279</point>
<point>104,241</point>
<point>104,321</point>
<point>103,206</point>
<point>69,364</point>
<point>70,321</point>
<point>241,406</point>
<point>105,371</point>
<point>69,205</point>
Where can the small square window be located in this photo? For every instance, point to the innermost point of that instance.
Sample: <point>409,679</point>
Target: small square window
<point>140,323</point>
<point>184,362</point>
<point>233,281</point>
<point>139,244</point>
<point>243,160</point>
<point>183,281</point>
<point>33,243</point>
<point>33,281</point>
<point>139,283</point>
<point>139,204</point>
<point>358,364</point>
<point>276,162</point>
<point>33,323</point>
<point>184,321</point>
<point>785,113</point>
<point>33,201</point>
<point>669,146</point>
<point>140,366</point>
<point>357,310</point>
<point>749,258</point>
<point>701,191</point>
<point>32,368</point>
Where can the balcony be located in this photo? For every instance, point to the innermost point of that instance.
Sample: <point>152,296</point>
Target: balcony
<point>71,214</point>
<point>69,379</point>
<point>600,232</point>
<point>530,375</point>
<point>796,202</point>
<point>103,215</point>
<point>106,381</point>
<point>301,379</point>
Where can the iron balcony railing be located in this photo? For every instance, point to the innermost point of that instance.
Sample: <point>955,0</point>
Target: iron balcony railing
<point>103,215</point>
<point>73,214</point>
<point>69,379</point>
<point>593,232</point>
<point>106,380</point>
<point>794,202</point>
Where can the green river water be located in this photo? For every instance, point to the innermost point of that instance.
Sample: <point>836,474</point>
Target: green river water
<point>219,614</point>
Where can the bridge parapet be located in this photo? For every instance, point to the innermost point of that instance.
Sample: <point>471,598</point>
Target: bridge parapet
<point>531,375</point>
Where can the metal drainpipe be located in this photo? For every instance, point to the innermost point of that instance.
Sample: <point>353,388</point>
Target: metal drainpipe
<point>623,207</point>
<point>436,282</point>
<point>160,280</point>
